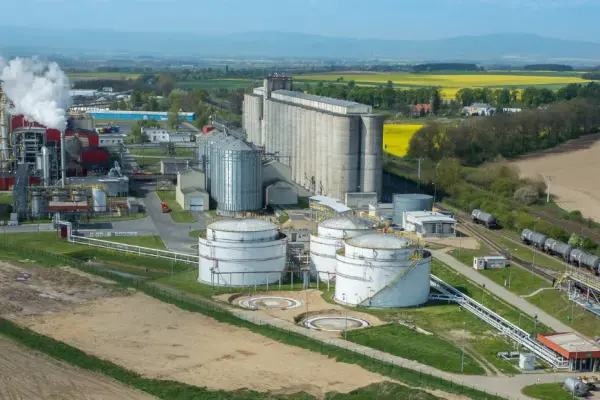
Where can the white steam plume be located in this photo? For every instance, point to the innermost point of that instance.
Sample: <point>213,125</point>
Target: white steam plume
<point>38,90</point>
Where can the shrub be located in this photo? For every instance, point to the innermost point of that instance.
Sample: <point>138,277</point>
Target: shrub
<point>527,195</point>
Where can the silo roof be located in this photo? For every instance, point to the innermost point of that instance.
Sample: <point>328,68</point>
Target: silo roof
<point>236,145</point>
<point>348,223</point>
<point>381,241</point>
<point>242,225</point>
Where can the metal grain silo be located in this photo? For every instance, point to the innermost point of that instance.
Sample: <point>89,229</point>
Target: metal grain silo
<point>319,152</point>
<point>240,182</point>
<point>371,153</point>
<point>215,174</point>
<point>410,202</point>
<point>208,149</point>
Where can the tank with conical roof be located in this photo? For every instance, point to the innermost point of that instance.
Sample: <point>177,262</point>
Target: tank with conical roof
<point>379,270</point>
<point>240,252</point>
<point>329,238</point>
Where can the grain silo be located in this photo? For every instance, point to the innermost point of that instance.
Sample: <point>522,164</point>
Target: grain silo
<point>329,238</point>
<point>240,252</point>
<point>379,270</point>
<point>239,178</point>
<point>410,202</point>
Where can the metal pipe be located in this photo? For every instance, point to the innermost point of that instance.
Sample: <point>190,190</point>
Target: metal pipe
<point>63,161</point>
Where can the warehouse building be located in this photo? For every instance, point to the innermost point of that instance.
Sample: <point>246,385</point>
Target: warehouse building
<point>190,191</point>
<point>333,147</point>
<point>429,223</point>
<point>138,115</point>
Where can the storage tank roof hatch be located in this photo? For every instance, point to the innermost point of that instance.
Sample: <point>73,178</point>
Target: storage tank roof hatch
<point>381,241</point>
<point>348,223</point>
<point>242,225</point>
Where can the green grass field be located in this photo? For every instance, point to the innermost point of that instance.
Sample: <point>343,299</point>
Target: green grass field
<point>177,213</point>
<point>102,75</point>
<point>407,343</point>
<point>229,84</point>
<point>548,391</point>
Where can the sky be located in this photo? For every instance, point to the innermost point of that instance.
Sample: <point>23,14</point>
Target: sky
<point>381,19</point>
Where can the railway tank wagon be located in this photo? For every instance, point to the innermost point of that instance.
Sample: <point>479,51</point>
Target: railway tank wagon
<point>533,238</point>
<point>558,248</point>
<point>241,252</point>
<point>582,259</point>
<point>484,218</point>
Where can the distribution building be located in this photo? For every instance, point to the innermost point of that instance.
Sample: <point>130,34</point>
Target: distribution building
<point>332,146</point>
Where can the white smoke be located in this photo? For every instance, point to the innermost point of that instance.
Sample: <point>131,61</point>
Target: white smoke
<point>38,90</point>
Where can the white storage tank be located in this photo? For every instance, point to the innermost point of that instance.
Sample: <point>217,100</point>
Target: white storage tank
<point>379,270</point>
<point>329,238</point>
<point>99,198</point>
<point>240,252</point>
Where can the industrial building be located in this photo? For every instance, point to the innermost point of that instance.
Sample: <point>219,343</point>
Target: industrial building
<point>429,223</point>
<point>239,252</point>
<point>410,202</point>
<point>489,262</point>
<point>112,140</point>
<point>328,239</point>
<point>138,115</point>
<point>380,270</point>
<point>161,135</point>
<point>381,210</point>
<point>582,354</point>
<point>332,146</point>
<point>190,191</point>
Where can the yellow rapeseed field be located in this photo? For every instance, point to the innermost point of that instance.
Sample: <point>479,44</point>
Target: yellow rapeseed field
<point>396,137</point>
<point>451,83</point>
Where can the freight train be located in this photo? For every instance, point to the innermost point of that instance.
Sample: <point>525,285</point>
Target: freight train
<point>563,250</point>
<point>487,219</point>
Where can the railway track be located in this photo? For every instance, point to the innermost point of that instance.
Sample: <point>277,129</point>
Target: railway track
<point>466,225</point>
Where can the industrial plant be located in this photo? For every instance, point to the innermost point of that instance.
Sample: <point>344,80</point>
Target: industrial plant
<point>332,146</point>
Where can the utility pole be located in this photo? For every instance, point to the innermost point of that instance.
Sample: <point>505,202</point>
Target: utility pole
<point>420,160</point>
<point>548,182</point>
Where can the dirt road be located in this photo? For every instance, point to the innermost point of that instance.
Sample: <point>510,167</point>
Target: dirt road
<point>25,374</point>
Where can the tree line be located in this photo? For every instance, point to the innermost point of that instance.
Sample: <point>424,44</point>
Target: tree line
<point>477,140</point>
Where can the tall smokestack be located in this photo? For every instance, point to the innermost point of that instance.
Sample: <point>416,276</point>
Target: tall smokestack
<point>4,129</point>
<point>63,161</point>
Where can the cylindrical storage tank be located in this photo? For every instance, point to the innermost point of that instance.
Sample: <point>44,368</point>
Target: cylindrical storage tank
<point>99,199</point>
<point>576,387</point>
<point>410,202</point>
<point>38,204</point>
<point>483,217</point>
<point>60,195</point>
<point>239,187</point>
<point>531,237</point>
<point>208,149</point>
<point>329,238</point>
<point>371,153</point>
<point>379,270</point>
<point>241,252</point>
<point>79,195</point>
<point>589,260</point>
<point>575,256</point>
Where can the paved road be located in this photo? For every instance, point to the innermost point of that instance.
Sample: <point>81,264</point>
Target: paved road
<point>143,226</point>
<point>501,292</point>
<point>176,236</point>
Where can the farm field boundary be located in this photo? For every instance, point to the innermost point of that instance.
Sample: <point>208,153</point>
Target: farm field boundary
<point>331,348</point>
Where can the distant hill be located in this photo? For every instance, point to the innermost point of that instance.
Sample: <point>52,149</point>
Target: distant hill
<point>506,48</point>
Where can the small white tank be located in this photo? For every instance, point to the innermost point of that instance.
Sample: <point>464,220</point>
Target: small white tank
<point>99,198</point>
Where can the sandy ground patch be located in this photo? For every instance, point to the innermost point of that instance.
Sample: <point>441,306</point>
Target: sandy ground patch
<point>316,306</point>
<point>91,277</point>
<point>31,290</point>
<point>25,374</point>
<point>162,341</point>
<point>574,167</point>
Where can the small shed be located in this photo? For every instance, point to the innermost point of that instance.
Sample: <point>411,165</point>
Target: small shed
<point>192,198</point>
<point>489,262</point>
<point>429,223</point>
<point>281,193</point>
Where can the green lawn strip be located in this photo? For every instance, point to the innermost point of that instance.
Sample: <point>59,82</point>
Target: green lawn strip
<point>547,391</point>
<point>466,255</point>
<point>558,305</point>
<point>410,344</point>
<point>196,233</point>
<point>518,280</point>
<point>177,213</point>
<point>6,203</point>
<point>218,312</point>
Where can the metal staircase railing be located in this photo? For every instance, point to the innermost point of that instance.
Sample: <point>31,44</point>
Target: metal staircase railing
<point>397,278</point>
<point>504,326</point>
<point>137,250</point>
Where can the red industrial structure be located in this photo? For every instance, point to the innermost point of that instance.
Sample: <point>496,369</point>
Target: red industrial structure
<point>583,355</point>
